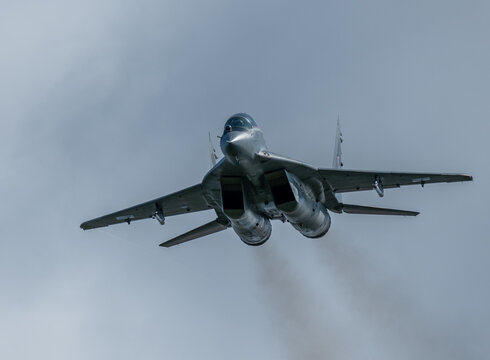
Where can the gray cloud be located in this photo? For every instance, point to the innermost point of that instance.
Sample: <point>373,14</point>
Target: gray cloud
<point>390,309</point>
<point>107,104</point>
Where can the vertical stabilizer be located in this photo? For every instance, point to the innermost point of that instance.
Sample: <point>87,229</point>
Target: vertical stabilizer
<point>337,152</point>
<point>212,152</point>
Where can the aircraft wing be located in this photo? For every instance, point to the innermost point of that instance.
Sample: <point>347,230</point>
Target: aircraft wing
<point>351,180</point>
<point>185,201</point>
<point>339,180</point>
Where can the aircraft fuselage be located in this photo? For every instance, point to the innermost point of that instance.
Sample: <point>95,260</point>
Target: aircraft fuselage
<point>249,192</point>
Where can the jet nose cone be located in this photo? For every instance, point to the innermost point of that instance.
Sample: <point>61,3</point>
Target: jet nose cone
<point>235,137</point>
<point>234,143</point>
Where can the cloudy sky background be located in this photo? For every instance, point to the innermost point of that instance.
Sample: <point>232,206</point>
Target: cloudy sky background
<point>106,104</point>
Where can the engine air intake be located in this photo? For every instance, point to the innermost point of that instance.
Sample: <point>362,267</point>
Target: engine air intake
<point>280,187</point>
<point>232,196</point>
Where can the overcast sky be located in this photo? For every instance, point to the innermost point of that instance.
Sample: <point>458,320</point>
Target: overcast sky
<point>106,104</point>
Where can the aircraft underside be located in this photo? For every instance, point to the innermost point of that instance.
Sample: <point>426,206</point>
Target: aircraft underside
<point>251,186</point>
<point>290,201</point>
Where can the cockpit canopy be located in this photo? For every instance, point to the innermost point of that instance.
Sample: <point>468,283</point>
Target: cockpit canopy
<point>240,122</point>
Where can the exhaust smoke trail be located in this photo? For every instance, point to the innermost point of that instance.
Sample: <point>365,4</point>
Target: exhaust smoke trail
<point>377,298</point>
<point>298,323</point>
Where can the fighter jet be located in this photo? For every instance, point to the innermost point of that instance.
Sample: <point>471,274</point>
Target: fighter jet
<point>250,186</point>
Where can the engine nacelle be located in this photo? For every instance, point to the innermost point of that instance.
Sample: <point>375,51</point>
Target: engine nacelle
<point>296,202</point>
<point>252,227</point>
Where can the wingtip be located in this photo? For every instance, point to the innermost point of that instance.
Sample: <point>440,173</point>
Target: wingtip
<point>86,226</point>
<point>410,213</point>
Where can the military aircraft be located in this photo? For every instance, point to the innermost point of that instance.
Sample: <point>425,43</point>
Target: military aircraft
<point>250,186</point>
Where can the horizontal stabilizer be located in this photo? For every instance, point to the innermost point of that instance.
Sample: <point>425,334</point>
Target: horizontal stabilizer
<point>206,229</point>
<point>357,209</point>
